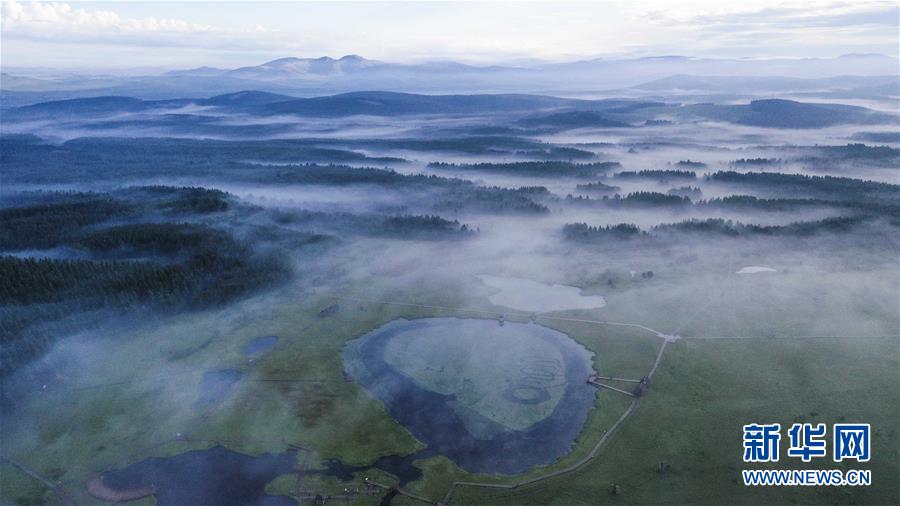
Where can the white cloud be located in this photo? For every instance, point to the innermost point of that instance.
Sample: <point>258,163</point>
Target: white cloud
<point>62,23</point>
<point>794,15</point>
<point>38,18</point>
<point>239,33</point>
<point>766,28</point>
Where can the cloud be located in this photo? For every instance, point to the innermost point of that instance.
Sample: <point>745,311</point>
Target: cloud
<point>234,34</point>
<point>60,22</point>
<point>774,27</point>
<point>793,16</point>
<point>61,17</point>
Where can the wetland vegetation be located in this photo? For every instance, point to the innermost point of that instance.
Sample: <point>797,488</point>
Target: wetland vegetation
<point>281,295</point>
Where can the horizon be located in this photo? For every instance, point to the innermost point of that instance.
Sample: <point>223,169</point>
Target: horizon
<point>535,64</point>
<point>96,37</point>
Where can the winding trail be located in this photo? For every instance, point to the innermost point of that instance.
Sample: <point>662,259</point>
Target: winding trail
<point>607,435</point>
<point>786,338</point>
<point>666,339</point>
<point>574,467</point>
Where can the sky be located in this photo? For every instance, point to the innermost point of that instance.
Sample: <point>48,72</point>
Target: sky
<point>175,35</point>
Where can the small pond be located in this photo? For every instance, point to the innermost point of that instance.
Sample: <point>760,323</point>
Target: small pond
<point>528,295</point>
<point>259,346</point>
<point>219,476</point>
<point>216,386</point>
<point>215,476</point>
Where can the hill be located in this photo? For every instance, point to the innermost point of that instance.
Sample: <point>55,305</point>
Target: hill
<point>573,119</point>
<point>778,113</point>
<point>382,103</point>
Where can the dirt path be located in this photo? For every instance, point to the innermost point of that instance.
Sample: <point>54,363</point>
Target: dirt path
<point>54,487</point>
<point>666,339</point>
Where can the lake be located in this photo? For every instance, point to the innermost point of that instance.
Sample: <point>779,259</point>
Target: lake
<point>493,398</point>
<point>528,295</point>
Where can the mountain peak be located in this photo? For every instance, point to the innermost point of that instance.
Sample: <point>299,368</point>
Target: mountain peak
<point>282,61</point>
<point>290,60</point>
<point>865,55</point>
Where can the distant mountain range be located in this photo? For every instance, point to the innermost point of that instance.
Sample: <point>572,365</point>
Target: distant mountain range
<point>260,103</point>
<point>530,113</point>
<point>875,75</point>
<point>304,68</point>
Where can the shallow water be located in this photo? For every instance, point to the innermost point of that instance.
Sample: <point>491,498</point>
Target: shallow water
<point>260,345</point>
<point>527,295</point>
<point>401,467</point>
<point>217,385</point>
<point>438,400</point>
<point>219,476</point>
<point>216,476</point>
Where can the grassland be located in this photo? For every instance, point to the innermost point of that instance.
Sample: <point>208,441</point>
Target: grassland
<point>144,382</point>
<point>692,421</point>
<point>297,395</point>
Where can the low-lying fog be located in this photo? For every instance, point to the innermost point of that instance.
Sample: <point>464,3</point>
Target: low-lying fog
<point>790,257</point>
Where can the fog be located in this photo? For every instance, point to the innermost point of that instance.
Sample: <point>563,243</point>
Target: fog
<point>350,213</point>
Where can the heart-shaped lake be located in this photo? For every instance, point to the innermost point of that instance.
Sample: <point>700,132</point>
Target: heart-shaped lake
<point>493,398</point>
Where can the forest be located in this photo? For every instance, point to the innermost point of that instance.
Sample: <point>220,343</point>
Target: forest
<point>598,187</point>
<point>409,227</point>
<point>539,169</point>
<point>584,233</point>
<point>658,174</point>
<point>840,188</point>
<point>633,199</point>
<point>105,253</point>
